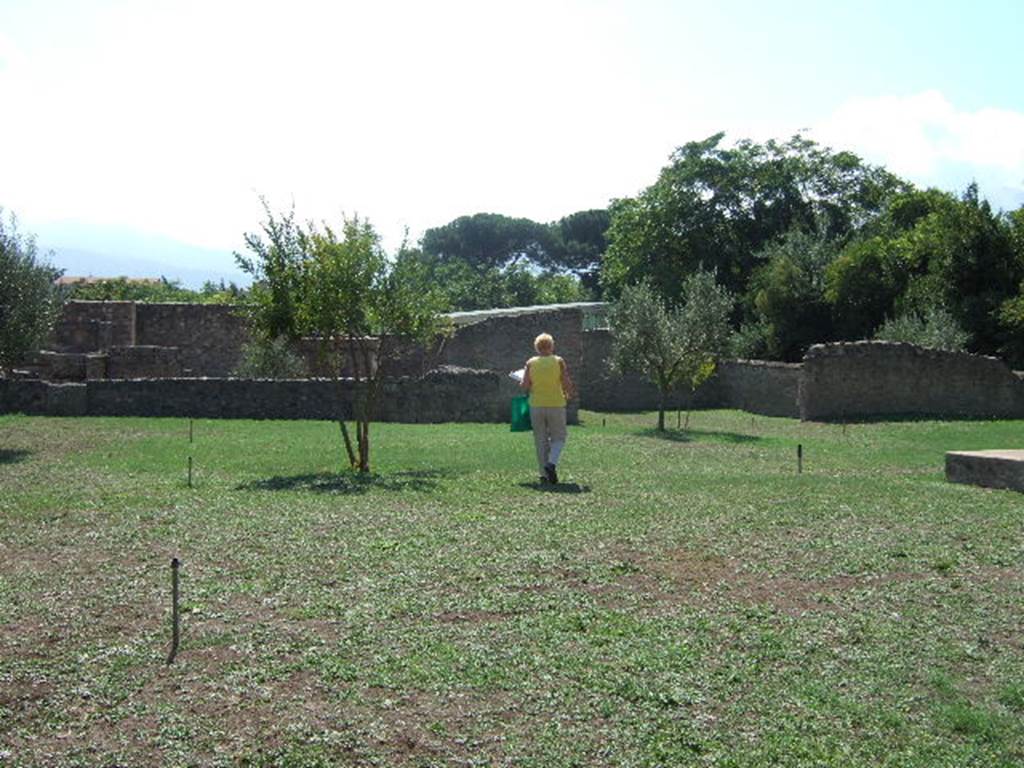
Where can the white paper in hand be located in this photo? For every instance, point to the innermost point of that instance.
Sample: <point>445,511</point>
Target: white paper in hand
<point>517,375</point>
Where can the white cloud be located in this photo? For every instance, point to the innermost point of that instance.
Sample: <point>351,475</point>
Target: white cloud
<point>928,140</point>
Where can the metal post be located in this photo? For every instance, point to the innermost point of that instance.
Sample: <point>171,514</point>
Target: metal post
<point>799,459</point>
<point>189,471</point>
<point>190,431</point>
<point>175,620</point>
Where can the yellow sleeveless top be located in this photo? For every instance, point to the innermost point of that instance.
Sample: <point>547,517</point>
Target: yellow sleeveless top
<point>546,382</point>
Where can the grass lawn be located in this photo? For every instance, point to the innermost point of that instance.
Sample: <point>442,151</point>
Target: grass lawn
<point>680,600</point>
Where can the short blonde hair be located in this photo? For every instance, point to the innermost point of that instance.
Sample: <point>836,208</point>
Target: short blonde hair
<point>544,343</point>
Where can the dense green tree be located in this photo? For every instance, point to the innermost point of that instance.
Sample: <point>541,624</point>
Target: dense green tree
<point>579,245</point>
<point>467,288</point>
<point>715,207</point>
<point>966,263</point>
<point>788,293</point>
<point>30,301</point>
<point>930,250</point>
<point>1011,312</point>
<point>489,240</point>
<point>862,286</point>
<point>675,344</point>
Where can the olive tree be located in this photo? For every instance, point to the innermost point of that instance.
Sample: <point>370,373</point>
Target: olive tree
<point>675,344</point>
<point>30,301</point>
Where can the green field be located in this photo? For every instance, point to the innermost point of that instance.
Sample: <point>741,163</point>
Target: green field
<point>686,599</point>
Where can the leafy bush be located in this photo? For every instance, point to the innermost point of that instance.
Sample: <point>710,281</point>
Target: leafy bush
<point>273,359</point>
<point>30,301</point>
<point>936,328</point>
<point>751,341</point>
<point>154,291</point>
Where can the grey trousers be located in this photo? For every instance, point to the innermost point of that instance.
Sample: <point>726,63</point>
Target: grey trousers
<point>548,434</point>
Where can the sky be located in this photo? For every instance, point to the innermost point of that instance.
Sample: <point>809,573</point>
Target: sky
<point>140,137</point>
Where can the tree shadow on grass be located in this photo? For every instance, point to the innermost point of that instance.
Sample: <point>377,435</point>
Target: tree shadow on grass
<point>349,482</point>
<point>693,435</point>
<point>13,455</point>
<point>556,488</point>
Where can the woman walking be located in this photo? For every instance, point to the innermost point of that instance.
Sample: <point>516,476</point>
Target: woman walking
<point>550,387</point>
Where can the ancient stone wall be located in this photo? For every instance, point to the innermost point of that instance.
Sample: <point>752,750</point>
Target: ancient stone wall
<point>759,386</point>
<point>115,340</point>
<point>143,362</point>
<point>877,378</point>
<point>209,337</point>
<point>442,396</point>
<point>91,326</point>
<point>42,398</point>
<point>505,343</point>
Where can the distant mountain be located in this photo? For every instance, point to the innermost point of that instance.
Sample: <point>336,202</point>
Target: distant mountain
<point>97,251</point>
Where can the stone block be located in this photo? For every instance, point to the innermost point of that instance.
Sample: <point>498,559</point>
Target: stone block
<point>63,366</point>
<point>992,469</point>
<point>66,400</point>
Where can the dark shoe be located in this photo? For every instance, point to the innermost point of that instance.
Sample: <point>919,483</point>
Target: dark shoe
<point>552,474</point>
<point>544,480</point>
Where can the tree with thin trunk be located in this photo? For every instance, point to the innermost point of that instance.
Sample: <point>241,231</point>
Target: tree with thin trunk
<point>340,289</point>
<point>671,345</point>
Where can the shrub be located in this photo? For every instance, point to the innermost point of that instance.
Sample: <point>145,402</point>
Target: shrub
<point>936,328</point>
<point>273,359</point>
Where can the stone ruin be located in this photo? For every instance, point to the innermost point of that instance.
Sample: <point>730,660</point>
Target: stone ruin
<point>121,357</point>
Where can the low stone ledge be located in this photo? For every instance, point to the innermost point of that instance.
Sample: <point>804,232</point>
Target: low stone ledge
<point>991,469</point>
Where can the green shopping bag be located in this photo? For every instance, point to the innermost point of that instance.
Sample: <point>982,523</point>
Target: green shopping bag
<point>521,414</point>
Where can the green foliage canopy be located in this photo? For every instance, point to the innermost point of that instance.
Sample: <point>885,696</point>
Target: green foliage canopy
<point>715,207</point>
<point>124,289</point>
<point>935,328</point>
<point>788,292</point>
<point>30,301</point>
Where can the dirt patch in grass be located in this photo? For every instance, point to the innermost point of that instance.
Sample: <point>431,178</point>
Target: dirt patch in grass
<point>18,694</point>
<point>413,726</point>
<point>684,577</point>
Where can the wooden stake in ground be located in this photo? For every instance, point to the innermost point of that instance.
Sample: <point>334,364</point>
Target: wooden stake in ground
<point>189,471</point>
<point>799,459</point>
<point>175,620</point>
